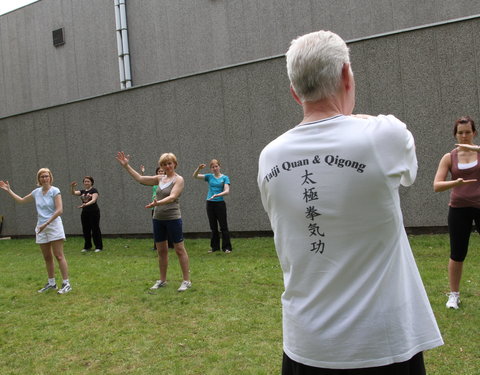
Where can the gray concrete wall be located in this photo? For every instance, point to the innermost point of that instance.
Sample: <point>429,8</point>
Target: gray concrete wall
<point>425,77</point>
<point>172,38</point>
<point>35,74</point>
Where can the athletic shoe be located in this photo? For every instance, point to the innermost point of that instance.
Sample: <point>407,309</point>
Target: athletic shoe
<point>65,289</point>
<point>47,287</point>
<point>212,251</point>
<point>158,284</point>
<point>453,300</point>
<point>98,250</point>
<point>85,250</point>
<point>184,285</point>
<point>228,251</point>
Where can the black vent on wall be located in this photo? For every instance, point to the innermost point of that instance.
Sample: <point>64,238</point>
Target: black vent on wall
<point>58,37</point>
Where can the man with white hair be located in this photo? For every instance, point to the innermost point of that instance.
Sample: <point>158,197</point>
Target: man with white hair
<point>354,302</point>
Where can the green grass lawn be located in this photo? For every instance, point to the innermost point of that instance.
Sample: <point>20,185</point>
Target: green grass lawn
<point>229,322</point>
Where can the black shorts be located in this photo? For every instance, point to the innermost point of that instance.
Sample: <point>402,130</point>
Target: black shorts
<point>460,223</point>
<point>414,366</point>
<point>164,230</point>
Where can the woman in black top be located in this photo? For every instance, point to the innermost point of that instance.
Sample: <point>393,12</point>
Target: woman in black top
<point>90,214</point>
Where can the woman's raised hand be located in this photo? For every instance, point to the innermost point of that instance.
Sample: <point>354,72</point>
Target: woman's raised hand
<point>4,185</point>
<point>122,158</point>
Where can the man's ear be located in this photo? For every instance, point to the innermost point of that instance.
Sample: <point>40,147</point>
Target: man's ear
<point>295,96</point>
<point>346,76</point>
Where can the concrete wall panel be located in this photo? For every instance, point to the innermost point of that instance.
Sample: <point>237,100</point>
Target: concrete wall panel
<point>426,77</point>
<point>35,74</point>
<point>171,38</point>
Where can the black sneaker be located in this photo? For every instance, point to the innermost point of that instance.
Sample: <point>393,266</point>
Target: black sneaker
<point>48,287</point>
<point>65,289</point>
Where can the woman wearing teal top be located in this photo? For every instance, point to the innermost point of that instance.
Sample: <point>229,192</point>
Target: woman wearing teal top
<point>218,187</point>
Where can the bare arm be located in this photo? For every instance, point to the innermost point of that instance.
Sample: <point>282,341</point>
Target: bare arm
<point>440,182</point>
<point>144,180</point>
<point>73,191</point>
<point>174,194</point>
<point>197,171</point>
<point>466,146</point>
<point>226,191</point>
<point>6,186</point>
<point>57,213</point>
<point>91,201</point>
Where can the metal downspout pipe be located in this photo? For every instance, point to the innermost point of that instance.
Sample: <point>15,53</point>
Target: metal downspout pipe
<point>122,44</point>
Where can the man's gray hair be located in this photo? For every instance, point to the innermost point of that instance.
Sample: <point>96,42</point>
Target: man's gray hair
<point>314,64</point>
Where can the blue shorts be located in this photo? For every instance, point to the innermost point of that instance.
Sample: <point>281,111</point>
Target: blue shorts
<point>165,229</point>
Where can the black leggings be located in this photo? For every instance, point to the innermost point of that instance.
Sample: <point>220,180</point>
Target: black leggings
<point>460,220</point>
<point>414,366</point>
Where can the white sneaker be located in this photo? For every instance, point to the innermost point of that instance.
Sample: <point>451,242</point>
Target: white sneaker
<point>65,289</point>
<point>184,285</point>
<point>453,300</point>
<point>98,250</point>
<point>84,251</point>
<point>158,284</point>
<point>48,286</point>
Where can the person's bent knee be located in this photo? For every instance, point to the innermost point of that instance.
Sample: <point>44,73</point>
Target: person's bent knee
<point>180,248</point>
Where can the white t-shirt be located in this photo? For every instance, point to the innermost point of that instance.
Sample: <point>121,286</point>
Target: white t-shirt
<point>353,295</point>
<point>45,203</point>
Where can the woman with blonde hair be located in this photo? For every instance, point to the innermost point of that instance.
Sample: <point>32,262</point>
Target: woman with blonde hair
<point>167,218</point>
<point>218,187</point>
<point>50,234</point>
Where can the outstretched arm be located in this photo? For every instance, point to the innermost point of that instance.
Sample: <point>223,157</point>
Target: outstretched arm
<point>144,180</point>
<point>440,182</point>
<point>6,186</point>
<point>467,146</point>
<point>174,194</point>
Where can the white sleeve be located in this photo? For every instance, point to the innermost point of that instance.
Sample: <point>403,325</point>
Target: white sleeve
<point>261,181</point>
<point>395,148</point>
<point>410,159</point>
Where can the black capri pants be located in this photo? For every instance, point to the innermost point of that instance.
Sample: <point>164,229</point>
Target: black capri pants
<point>460,223</point>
